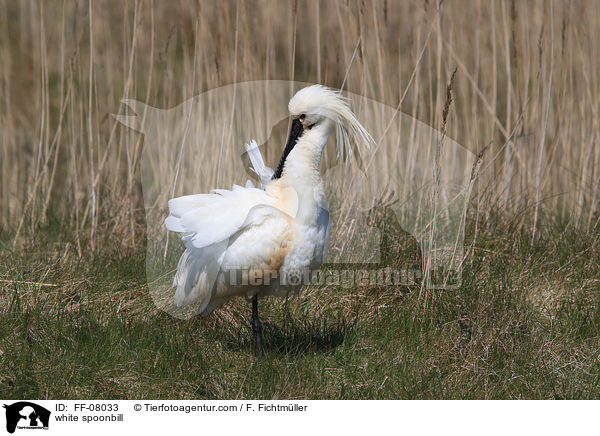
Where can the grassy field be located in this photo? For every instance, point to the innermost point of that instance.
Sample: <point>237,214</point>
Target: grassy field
<point>76,316</point>
<point>524,324</point>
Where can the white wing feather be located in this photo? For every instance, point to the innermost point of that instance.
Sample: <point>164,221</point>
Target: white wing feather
<point>204,219</point>
<point>264,173</point>
<point>261,243</point>
<point>242,227</point>
<point>197,272</point>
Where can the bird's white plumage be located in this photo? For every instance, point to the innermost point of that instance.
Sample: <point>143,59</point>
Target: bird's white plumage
<point>204,219</point>
<point>263,172</point>
<point>282,227</point>
<point>320,101</point>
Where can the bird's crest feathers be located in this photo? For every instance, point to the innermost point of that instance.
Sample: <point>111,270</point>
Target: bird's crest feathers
<point>329,103</point>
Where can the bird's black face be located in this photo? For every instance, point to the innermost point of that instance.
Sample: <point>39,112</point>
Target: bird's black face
<point>295,133</point>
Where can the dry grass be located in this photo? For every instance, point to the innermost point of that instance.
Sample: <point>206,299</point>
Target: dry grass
<point>66,67</point>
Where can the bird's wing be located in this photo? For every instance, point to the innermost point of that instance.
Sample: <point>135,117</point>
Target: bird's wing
<point>256,251</point>
<point>197,272</point>
<point>260,243</point>
<point>214,224</point>
<point>205,219</point>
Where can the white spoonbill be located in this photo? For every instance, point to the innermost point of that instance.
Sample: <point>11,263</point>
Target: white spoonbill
<point>256,242</point>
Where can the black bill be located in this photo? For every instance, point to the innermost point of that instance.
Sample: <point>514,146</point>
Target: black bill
<point>295,133</point>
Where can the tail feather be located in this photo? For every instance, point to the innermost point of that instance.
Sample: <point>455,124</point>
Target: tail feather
<point>197,273</point>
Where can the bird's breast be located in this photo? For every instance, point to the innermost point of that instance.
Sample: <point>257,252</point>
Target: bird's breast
<point>308,246</point>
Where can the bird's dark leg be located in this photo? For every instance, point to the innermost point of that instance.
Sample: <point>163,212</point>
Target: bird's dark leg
<point>257,328</point>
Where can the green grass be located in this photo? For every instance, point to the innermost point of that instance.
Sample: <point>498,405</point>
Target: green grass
<point>523,324</point>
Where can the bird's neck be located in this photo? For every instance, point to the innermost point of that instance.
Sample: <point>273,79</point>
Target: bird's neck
<point>302,164</point>
<point>301,172</point>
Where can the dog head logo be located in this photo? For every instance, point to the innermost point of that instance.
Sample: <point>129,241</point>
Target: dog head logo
<point>24,414</point>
